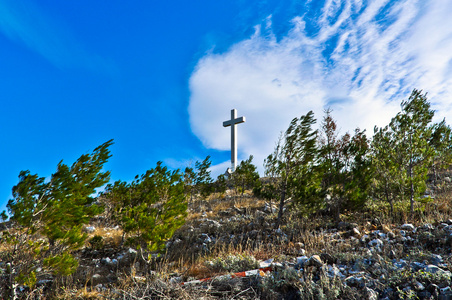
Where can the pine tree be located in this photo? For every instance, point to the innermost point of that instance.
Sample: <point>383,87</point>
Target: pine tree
<point>151,208</point>
<point>203,180</point>
<point>345,166</point>
<point>292,158</point>
<point>405,150</point>
<point>189,182</point>
<point>413,131</point>
<point>49,216</point>
<point>387,174</point>
<point>245,175</point>
<point>441,141</point>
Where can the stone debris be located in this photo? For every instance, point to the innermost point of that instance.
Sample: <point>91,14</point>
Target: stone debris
<point>89,229</point>
<point>408,227</point>
<point>376,255</point>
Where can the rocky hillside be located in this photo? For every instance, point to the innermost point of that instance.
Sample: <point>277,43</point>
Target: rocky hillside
<point>229,249</point>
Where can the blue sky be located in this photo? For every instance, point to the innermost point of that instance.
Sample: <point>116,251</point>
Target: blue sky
<point>160,77</point>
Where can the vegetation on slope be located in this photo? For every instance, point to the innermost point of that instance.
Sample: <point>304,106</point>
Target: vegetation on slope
<point>167,225</point>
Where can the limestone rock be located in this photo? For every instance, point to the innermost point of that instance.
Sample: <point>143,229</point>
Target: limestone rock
<point>418,286</point>
<point>89,229</point>
<point>210,226</point>
<point>314,261</point>
<point>407,226</point>
<point>301,261</point>
<point>371,294</point>
<point>376,243</point>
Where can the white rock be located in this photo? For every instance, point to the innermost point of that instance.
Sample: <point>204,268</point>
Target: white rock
<point>407,226</point>
<point>376,243</point>
<point>315,261</point>
<point>334,271</point>
<point>419,286</point>
<point>139,278</point>
<point>301,260</point>
<point>96,279</point>
<point>435,269</point>
<point>176,279</point>
<point>100,287</point>
<point>371,294</point>
<point>90,229</point>
<point>356,232</point>
<point>265,264</point>
<point>427,226</point>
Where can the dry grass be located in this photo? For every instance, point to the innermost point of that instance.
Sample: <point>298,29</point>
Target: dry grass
<point>111,237</point>
<point>311,234</point>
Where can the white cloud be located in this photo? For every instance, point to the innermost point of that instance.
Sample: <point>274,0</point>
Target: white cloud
<point>362,62</point>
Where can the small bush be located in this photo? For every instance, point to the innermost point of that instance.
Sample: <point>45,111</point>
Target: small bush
<point>233,263</point>
<point>96,242</point>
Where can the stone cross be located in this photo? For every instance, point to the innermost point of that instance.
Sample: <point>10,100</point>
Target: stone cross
<point>232,122</point>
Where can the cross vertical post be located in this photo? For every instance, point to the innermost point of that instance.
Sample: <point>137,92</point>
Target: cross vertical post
<point>232,122</point>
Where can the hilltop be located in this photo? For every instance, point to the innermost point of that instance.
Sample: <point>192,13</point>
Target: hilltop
<point>367,255</point>
<point>337,217</point>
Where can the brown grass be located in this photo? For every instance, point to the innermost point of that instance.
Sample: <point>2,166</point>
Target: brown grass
<point>112,237</point>
<point>311,234</point>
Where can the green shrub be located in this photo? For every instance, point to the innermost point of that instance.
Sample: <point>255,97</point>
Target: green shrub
<point>233,263</point>
<point>48,217</point>
<point>150,208</point>
<point>96,242</point>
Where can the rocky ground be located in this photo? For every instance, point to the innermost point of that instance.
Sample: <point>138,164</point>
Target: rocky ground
<point>365,258</point>
<point>341,260</point>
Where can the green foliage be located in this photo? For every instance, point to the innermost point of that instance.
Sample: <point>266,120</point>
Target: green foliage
<point>3,216</point>
<point>55,211</point>
<point>189,182</point>
<point>325,288</point>
<point>406,149</point>
<point>292,161</point>
<point>27,279</point>
<point>387,174</point>
<point>345,167</point>
<point>96,242</point>
<point>220,184</point>
<point>342,172</point>
<point>402,277</point>
<point>233,263</point>
<point>199,181</point>
<point>203,181</point>
<point>151,207</point>
<point>64,263</point>
<point>441,142</point>
<point>245,175</point>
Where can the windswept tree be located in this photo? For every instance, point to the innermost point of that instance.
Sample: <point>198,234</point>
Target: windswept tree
<point>198,181</point>
<point>388,175</point>
<point>441,141</point>
<point>151,208</point>
<point>345,166</point>
<point>245,175</point>
<point>292,158</point>
<point>405,150</point>
<point>203,180</point>
<point>189,177</point>
<point>49,216</point>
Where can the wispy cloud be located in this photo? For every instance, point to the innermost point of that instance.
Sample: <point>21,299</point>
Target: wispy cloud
<point>360,60</point>
<point>26,23</point>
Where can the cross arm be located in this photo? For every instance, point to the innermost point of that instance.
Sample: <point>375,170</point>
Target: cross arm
<point>235,121</point>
